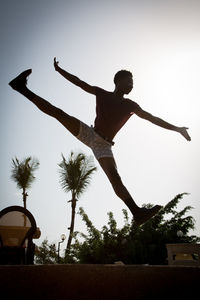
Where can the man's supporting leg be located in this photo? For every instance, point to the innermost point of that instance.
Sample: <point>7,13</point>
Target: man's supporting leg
<point>109,166</point>
<point>69,122</point>
<point>141,215</point>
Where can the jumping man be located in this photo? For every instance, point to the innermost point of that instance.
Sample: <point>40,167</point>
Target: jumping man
<point>112,112</point>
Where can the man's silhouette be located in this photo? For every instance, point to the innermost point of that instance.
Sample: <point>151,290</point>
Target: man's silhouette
<point>112,112</point>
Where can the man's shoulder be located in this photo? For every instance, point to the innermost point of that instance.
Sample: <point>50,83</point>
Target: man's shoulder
<point>134,105</point>
<point>101,92</point>
<point>129,101</point>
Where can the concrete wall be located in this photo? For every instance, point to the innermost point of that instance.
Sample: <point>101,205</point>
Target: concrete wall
<point>99,282</point>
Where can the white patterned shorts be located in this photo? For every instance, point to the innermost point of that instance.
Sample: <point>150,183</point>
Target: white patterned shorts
<point>100,147</point>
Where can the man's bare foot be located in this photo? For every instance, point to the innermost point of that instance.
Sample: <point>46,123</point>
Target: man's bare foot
<point>20,81</point>
<point>144,214</point>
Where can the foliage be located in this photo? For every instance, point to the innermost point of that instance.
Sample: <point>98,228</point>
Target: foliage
<point>131,244</point>
<point>22,172</point>
<point>75,173</point>
<point>46,253</point>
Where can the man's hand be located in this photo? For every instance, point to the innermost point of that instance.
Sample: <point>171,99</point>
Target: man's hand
<point>184,133</point>
<point>56,64</point>
<point>75,80</point>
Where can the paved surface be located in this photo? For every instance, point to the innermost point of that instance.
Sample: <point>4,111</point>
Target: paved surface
<point>99,282</point>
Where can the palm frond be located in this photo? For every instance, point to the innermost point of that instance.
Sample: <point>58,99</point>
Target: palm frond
<point>23,172</point>
<point>75,173</point>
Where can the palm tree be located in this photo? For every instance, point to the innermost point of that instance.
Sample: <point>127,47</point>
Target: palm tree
<point>22,174</point>
<point>75,176</point>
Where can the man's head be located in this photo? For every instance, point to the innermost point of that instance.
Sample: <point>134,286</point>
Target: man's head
<point>124,81</point>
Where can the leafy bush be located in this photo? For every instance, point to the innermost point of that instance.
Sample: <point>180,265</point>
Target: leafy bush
<point>145,244</point>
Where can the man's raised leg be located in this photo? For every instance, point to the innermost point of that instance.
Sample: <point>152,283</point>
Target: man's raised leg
<point>69,122</point>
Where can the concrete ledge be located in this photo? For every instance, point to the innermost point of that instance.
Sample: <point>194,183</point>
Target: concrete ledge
<point>98,282</point>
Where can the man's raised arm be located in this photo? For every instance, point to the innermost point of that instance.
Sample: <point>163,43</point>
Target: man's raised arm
<point>157,121</point>
<point>75,80</point>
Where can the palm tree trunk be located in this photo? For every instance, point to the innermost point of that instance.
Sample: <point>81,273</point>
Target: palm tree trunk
<point>71,229</point>
<point>24,201</point>
<point>24,197</point>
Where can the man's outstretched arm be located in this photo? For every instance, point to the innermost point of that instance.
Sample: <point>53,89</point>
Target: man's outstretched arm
<point>75,80</point>
<point>157,121</point>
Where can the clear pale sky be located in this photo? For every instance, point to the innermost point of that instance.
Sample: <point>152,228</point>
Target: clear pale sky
<point>159,42</point>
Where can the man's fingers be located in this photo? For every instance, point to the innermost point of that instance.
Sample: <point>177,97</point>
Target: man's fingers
<point>188,137</point>
<point>183,131</point>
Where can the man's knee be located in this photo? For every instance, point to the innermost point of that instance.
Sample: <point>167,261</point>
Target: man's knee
<point>117,184</point>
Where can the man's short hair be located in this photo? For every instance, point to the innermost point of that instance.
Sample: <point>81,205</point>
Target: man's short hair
<point>121,75</point>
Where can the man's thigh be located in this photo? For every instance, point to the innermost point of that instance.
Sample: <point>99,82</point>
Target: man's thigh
<point>109,166</point>
<point>72,124</point>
